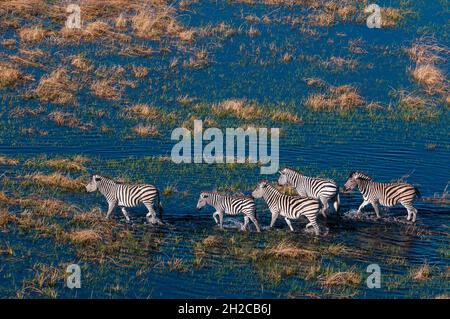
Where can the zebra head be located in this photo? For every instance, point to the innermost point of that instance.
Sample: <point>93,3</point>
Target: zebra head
<point>260,189</point>
<point>203,200</point>
<point>92,186</point>
<point>353,178</point>
<point>286,176</point>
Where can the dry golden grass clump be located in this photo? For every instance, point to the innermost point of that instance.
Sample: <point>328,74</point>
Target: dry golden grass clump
<point>156,23</point>
<point>139,71</point>
<point>430,77</point>
<point>81,63</point>
<point>69,120</point>
<point>283,116</point>
<point>45,207</point>
<point>322,19</point>
<point>187,35</point>
<point>341,98</point>
<point>145,111</point>
<point>412,101</point>
<point>26,111</point>
<point>315,82</point>
<point>9,75</point>
<point>75,164</point>
<point>212,241</point>
<point>422,273</point>
<point>6,218</point>
<point>24,8</point>
<point>241,108</point>
<point>100,29</point>
<point>57,180</point>
<point>106,89</point>
<point>286,249</point>
<point>145,130</point>
<point>3,198</point>
<point>57,88</point>
<point>4,160</point>
<point>339,62</point>
<point>199,60</point>
<point>427,54</point>
<point>390,17</point>
<point>85,236</point>
<point>33,34</point>
<point>342,279</point>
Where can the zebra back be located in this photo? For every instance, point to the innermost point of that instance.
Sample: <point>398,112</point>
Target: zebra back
<point>311,186</point>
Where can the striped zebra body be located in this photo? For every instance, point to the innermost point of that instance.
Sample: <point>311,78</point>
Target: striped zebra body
<point>318,188</point>
<point>230,205</point>
<point>385,194</point>
<point>289,207</point>
<point>127,195</point>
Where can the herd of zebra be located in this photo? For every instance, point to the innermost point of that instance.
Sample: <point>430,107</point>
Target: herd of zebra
<point>314,196</point>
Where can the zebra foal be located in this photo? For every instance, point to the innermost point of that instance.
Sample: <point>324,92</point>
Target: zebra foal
<point>231,205</point>
<point>385,194</point>
<point>289,207</point>
<point>127,195</point>
<point>318,188</point>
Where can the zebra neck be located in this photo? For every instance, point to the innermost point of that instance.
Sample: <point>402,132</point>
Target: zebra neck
<point>295,178</point>
<point>363,186</point>
<point>270,194</point>
<point>105,187</point>
<point>214,199</point>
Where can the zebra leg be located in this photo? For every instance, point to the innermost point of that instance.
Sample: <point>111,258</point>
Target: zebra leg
<point>255,222</point>
<point>151,215</point>
<point>246,219</point>
<point>111,207</point>
<point>125,213</point>
<point>337,205</point>
<point>412,212</point>
<point>363,204</point>
<point>312,223</point>
<point>274,218</point>
<point>215,217</point>
<point>324,206</point>
<point>377,210</point>
<point>289,223</point>
<point>221,220</point>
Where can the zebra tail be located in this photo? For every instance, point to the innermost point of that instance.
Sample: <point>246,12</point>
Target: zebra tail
<point>417,192</point>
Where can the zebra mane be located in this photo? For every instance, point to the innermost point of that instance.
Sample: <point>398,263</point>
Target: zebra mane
<point>359,174</point>
<point>291,169</point>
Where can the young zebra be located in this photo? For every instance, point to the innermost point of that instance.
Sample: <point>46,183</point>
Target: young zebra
<point>231,205</point>
<point>126,195</point>
<point>318,188</point>
<point>290,207</point>
<point>386,194</point>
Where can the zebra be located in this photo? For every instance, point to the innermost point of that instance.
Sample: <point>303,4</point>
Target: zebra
<point>127,195</point>
<point>385,194</point>
<point>231,205</point>
<point>290,207</point>
<point>322,189</point>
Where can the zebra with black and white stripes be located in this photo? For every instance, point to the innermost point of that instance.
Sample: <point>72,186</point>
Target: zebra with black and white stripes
<point>319,188</point>
<point>385,194</point>
<point>127,195</point>
<point>231,205</point>
<point>289,207</point>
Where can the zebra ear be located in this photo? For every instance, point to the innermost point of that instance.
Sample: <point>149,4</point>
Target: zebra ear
<point>97,179</point>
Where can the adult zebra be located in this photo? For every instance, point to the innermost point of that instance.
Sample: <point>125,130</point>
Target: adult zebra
<point>319,188</point>
<point>127,195</point>
<point>231,205</point>
<point>386,194</point>
<point>290,207</point>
